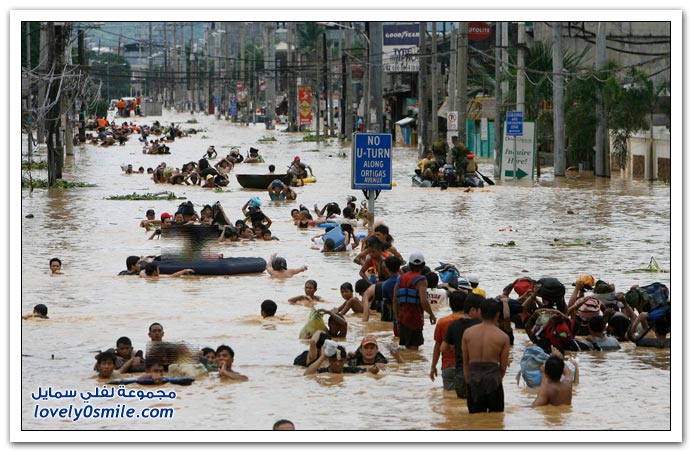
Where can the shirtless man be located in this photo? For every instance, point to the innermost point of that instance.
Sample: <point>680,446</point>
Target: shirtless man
<point>556,384</point>
<point>485,351</point>
<point>277,268</point>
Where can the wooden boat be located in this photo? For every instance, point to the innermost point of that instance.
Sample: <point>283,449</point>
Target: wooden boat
<point>261,181</point>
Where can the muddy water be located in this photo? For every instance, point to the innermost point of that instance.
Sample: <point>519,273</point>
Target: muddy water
<point>615,228</point>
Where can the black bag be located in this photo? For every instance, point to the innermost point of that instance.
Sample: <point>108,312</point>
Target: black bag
<point>551,289</point>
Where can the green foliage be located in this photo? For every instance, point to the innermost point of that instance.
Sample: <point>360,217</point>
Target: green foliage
<point>266,139</point>
<point>315,138</point>
<point>580,120</point>
<point>111,69</point>
<point>309,37</point>
<point>43,183</point>
<point>161,196</point>
<point>630,107</point>
<point>28,166</point>
<point>101,108</point>
<point>510,244</point>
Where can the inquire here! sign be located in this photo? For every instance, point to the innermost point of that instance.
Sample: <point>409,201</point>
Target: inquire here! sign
<point>525,149</point>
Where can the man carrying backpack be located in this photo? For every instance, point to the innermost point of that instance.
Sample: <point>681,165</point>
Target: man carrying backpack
<point>556,383</point>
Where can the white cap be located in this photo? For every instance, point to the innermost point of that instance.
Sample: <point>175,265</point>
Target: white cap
<point>473,278</point>
<point>416,258</point>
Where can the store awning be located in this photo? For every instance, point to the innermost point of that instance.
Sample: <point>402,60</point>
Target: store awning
<point>403,122</point>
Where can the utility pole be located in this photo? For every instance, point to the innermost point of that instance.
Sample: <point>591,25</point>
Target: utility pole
<point>366,80</point>
<point>505,61</point>
<point>242,64</point>
<point>498,100</point>
<point>376,67</point>
<point>521,65</point>
<point>43,86</point>
<point>227,69</point>
<point>462,81</point>
<point>191,86</point>
<point>150,74</point>
<point>422,98</point>
<point>316,84</point>
<point>291,79</point>
<point>328,88</point>
<point>558,91</point>
<point>82,103</point>
<point>56,55</point>
<point>452,78</point>
<point>346,113</point>
<point>166,75</point>
<point>271,80</point>
<point>435,119</point>
<point>325,82</point>
<point>29,101</point>
<point>601,126</point>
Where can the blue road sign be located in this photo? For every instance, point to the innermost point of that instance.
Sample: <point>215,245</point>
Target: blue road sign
<point>515,123</point>
<point>371,161</point>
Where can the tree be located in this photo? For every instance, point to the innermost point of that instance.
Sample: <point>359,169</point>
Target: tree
<point>630,106</point>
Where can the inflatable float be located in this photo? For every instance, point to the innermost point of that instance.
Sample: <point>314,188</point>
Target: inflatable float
<point>261,181</point>
<point>214,266</point>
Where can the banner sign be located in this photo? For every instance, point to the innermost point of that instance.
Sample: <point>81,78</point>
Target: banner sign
<point>305,104</point>
<point>400,47</point>
<point>484,129</point>
<point>241,94</point>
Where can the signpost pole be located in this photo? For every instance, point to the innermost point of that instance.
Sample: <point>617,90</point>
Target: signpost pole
<point>515,158</point>
<point>371,167</point>
<point>371,211</point>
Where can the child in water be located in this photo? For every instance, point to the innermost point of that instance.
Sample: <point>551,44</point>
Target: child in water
<point>40,312</point>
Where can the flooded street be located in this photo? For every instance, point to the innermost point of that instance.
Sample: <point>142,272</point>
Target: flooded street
<point>614,228</point>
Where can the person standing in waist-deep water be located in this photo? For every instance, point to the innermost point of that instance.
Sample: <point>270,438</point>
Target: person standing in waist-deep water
<point>485,350</point>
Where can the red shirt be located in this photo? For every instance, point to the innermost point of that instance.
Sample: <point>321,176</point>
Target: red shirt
<point>448,359</point>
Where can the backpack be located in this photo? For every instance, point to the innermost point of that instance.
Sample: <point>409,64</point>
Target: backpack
<point>448,273</point>
<point>645,298</point>
<point>560,332</point>
<point>530,367</point>
<point>552,291</point>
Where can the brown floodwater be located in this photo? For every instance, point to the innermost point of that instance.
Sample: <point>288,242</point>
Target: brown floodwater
<point>561,227</point>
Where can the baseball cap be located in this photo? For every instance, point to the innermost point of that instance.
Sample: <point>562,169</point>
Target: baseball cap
<point>296,158</point>
<point>464,284</point>
<point>276,183</point>
<point>416,258</point>
<point>165,215</point>
<point>473,278</point>
<point>210,176</point>
<point>369,339</point>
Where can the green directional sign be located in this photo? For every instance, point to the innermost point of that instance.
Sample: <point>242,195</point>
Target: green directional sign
<point>520,173</point>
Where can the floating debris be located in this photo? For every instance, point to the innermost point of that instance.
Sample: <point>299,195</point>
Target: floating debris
<point>577,242</point>
<point>164,195</point>
<point>509,244</point>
